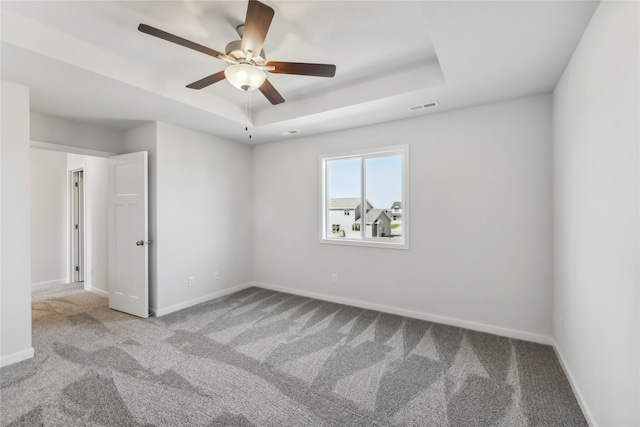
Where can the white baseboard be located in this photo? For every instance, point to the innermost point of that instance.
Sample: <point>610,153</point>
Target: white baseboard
<point>96,291</point>
<point>10,359</point>
<point>574,385</point>
<point>481,327</point>
<point>186,304</point>
<point>49,283</point>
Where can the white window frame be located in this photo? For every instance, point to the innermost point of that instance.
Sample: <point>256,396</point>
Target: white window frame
<point>374,242</point>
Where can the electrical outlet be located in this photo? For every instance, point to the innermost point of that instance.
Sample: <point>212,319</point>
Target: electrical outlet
<point>192,280</point>
<point>334,278</point>
<point>216,275</point>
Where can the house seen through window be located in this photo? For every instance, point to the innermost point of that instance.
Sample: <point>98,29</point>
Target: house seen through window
<point>365,197</point>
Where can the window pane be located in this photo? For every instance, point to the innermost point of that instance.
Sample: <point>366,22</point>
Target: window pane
<point>363,198</point>
<point>344,187</point>
<point>383,190</point>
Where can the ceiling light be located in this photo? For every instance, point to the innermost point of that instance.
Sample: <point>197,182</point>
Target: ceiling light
<point>245,76</point>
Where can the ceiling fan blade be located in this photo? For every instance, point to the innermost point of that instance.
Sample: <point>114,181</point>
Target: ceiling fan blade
<point>256,25</point>
<point>179,40</point>
<point>303,69</point>
<point>207,81</point>
<point>271,93</point>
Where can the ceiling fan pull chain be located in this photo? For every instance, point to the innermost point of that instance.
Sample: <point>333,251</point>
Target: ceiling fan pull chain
<point>248,112</point>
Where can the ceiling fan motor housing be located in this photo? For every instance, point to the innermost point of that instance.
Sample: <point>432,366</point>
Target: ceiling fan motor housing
<point>234,50</point>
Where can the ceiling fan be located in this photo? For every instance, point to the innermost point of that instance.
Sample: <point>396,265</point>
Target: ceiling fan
<point>245,58</point>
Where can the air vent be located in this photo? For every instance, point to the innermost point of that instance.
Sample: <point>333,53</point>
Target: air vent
<point>424,106</point>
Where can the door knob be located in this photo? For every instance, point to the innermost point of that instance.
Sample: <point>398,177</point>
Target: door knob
<point>140,243</point>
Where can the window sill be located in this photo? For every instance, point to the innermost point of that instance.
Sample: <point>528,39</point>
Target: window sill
<point>364,243</point>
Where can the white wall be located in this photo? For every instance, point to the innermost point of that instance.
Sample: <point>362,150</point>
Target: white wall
<point>15,229</point>
<point>56,130</point>
<point>96,188</point>
<point>596,313</point>
<point>48,217</point>
<point>51,250</point>
<point>480,194</point>
<point>143,138</point>
<point>204,215</point>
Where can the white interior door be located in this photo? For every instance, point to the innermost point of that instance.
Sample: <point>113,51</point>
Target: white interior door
<point>128,234</point>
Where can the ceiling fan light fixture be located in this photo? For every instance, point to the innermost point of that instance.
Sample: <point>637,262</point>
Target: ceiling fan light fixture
<point>246,59</point>
<point>245,77</point>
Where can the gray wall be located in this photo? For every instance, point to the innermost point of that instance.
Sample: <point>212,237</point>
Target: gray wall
<point>204,213</point>
<point>56,130</point>
<point>596,184</point>
<point>49,250</point>
<point>15,227</point>
<point>481,235</point>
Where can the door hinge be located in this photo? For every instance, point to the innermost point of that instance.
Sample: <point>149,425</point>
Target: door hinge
<point>77,268</point>
<point>76,226</point>
<point>76,184</point>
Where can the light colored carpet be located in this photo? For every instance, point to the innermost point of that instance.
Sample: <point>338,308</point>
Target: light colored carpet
<point>264,358</point>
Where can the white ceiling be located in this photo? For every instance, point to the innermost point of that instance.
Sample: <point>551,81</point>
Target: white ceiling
<point>86,60</point>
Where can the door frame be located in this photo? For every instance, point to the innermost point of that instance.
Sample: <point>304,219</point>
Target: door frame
<point>77,214</point>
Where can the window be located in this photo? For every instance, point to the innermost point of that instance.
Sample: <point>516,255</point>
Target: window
<point>366,186</point>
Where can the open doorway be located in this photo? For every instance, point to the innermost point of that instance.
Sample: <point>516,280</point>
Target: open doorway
<point>71,227</point>
<point>77,226</point>
<point>69,219</point>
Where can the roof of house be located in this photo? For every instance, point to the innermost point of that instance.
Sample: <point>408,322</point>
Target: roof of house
<point>374,214</point>
<point>345,203</point>
<point>397,205</point>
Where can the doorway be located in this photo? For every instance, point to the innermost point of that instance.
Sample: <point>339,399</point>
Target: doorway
<point>77,226</point>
